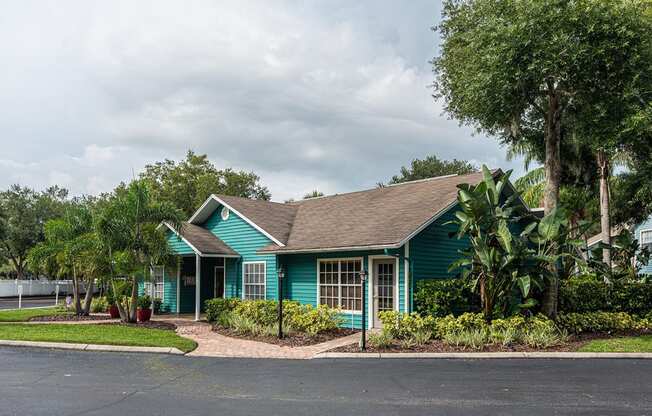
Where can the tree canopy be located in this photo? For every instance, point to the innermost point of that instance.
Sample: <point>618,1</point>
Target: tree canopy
<point>522,70</point>
<point>23,213</point>
<point>431,167</point>
<point>187,184</point>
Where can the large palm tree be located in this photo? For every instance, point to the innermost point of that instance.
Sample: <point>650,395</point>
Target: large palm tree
<point>68,241</point>
<point>127,225</point>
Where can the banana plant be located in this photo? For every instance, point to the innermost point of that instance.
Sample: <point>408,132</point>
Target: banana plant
<point>496,261</point>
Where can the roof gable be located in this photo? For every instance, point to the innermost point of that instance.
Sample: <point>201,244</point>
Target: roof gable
<point>272,219</point>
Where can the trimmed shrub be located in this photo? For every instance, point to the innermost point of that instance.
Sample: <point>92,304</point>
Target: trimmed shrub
<point>218,307</point>
<point>578,323</point>
<point>312,320</point>
<point>99,305</point>
<point>260,317</point>
<point>403,326</point>
<point>592,296</point>
<point>442,297</point>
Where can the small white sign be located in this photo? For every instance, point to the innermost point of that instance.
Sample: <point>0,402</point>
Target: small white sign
<point>20,290</point>
<point>189,280</point>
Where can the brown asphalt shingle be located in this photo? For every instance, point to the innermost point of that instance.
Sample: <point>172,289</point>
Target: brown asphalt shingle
<point>376,217</point>
<point>273,217</point>
<point>205,241</point>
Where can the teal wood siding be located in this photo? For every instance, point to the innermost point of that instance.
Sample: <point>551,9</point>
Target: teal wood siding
<point>645,225</point>
<point>302,279</point>
<point>169,304</point>
<point>432,250</point>
<point>232,287</point>
<point>177,245</point>
<point>246,241</point>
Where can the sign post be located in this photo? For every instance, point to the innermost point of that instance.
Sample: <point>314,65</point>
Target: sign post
<point>56,294</point>
<point>20,296</point>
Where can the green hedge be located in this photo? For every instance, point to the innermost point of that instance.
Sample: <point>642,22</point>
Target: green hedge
<point>578,323</point>
<point>443,297</point>
<point>592,296</point>
<point>261,316</point>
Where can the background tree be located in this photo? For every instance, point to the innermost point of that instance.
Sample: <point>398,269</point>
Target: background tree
<point>188,183</point>
<point>431,167</point>
<point>313,194</point>
<point>24,213</point>
<point>519,69</point>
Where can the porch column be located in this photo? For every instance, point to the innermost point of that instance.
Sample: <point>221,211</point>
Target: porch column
<point>197,286</point>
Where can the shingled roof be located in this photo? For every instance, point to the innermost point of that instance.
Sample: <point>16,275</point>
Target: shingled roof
<point>377,218</point>
<point>204,241</point>
<point>381,217</point>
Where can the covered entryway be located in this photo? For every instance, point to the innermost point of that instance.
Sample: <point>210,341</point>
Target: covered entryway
<point>384,286</point>
<point>202,267</point>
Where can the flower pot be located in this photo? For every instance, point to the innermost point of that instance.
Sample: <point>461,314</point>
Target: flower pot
<point>114,312</point>
<point>144,314</point>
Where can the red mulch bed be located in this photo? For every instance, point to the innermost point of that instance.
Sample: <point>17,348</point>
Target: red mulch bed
<point>294,340</point>
<point>573,344</point>
<point>148,325</point>
<point>70,317</point>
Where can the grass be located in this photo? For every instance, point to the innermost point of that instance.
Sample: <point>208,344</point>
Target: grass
<point>22,315</point>
<point>96,334</point>
<point>626,344</point>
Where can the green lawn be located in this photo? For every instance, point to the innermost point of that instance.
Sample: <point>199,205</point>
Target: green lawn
<point>96,334</point>
<point>22,315</point>
<point>627,344</point>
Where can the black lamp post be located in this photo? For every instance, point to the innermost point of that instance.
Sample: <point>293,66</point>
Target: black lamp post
<point>281,275</point>
<point>363,340</point>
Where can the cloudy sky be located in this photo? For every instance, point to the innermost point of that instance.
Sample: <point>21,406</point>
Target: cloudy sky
<point>328,95</point>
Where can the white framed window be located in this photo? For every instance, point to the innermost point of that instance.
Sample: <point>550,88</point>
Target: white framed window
<point>645,239</point>
<point>158,282</point>
<point>338,284</point>
<point>253,280</point>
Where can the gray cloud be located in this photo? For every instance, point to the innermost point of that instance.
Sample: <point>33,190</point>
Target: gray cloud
<point>331,96</point>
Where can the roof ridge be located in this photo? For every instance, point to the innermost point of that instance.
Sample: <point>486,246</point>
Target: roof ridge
<point>301,201</point>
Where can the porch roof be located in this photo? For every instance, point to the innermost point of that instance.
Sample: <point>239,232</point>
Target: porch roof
<point>204,242</point>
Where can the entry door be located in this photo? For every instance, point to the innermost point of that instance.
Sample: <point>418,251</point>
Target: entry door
<point>218,284</point>
<point>384,288</point>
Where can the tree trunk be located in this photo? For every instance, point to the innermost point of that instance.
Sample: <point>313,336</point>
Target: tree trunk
<point>90,286</point>
<point>552,167</point>
<point>124,313</point>
<point>134,300</point>
<point>75,285</point>
<point>605,220</point>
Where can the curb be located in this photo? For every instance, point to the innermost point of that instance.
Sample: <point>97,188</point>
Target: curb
<point>91,347</point>
<point>486,355</point>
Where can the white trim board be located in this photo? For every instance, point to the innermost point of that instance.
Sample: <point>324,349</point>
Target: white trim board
<point>193,248</point>
<point>370,287</point>
<point>338,259</point>
<point>238,213</point>
<point>264,263</point>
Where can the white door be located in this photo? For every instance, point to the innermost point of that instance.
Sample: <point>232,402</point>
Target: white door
<point>384,288</point>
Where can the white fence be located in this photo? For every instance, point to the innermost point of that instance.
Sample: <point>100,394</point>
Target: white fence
<point>9,288</point>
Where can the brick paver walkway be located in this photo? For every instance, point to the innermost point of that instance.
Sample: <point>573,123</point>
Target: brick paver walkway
<point>212,344</point>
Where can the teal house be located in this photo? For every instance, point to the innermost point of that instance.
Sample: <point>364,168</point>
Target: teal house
<point>642,232</point>
<point>235,247</point>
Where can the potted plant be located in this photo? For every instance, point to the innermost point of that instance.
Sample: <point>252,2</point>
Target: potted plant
<point>144,308</point>
<point>112,308</point>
